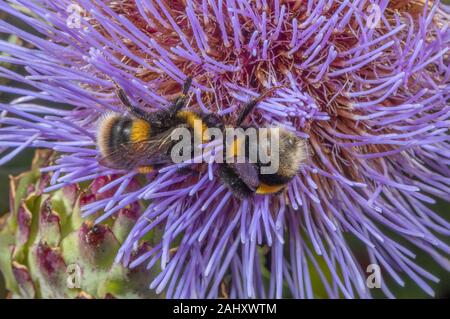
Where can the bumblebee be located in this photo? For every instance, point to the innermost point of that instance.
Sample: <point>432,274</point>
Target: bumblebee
<point>246,178</point>
<point>142,141</point>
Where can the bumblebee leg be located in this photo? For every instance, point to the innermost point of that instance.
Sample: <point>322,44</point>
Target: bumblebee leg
<point>180,102</point>
<point>246,111</point>
<point>248,108</point>
<point>127,103</point>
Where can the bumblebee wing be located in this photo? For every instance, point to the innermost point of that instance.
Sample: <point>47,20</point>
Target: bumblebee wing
<point>135,154</point>
<point>156,150</point>
<point>247,172</point>
<point>119,158</point>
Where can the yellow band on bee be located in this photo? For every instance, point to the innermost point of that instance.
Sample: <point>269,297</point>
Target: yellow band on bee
<point>269,189</point>
<point>190,118</point>
<point>140,131</point>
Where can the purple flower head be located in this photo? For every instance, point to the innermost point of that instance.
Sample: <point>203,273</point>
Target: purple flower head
<point>367,83</point>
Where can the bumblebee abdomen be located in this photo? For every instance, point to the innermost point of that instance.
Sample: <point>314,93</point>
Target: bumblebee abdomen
<point>234,182</point>
<point>118,133</point>
<point>110,132</point>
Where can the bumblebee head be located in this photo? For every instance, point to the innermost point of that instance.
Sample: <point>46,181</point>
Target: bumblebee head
<point>287,156</point>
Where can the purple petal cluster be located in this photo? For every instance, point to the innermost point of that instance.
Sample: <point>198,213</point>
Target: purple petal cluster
<point>367,83</point>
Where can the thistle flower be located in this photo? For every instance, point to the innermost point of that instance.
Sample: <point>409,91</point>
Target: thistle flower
<point>366,83</point>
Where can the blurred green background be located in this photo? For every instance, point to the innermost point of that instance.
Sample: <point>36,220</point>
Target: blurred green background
<point>22,163</point>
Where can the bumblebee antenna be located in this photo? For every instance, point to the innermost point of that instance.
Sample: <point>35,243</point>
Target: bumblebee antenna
<point>248,108</point>
<point>187,85</point>
<point>181,101</point>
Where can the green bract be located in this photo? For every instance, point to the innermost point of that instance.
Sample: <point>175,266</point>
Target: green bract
<point>48,251</point>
